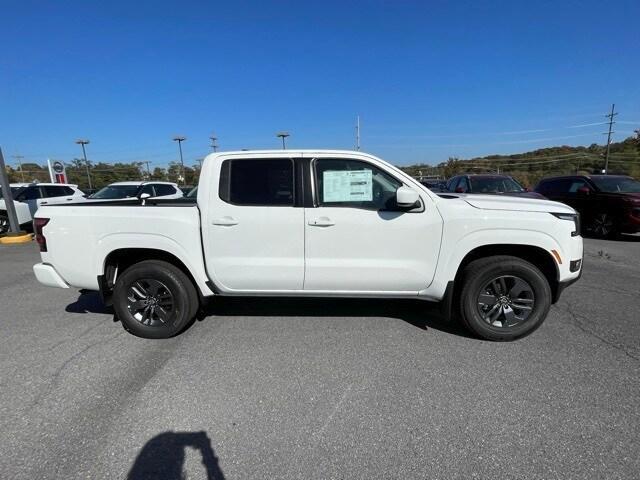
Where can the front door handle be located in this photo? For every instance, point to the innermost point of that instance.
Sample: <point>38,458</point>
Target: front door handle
<point>225,221</point>
<point>321,222</point>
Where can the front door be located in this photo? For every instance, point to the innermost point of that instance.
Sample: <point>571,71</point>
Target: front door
<point>358,240</point>
<point>255,238</point>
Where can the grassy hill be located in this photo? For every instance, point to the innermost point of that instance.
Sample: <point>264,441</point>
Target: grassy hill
<point>530,167</point>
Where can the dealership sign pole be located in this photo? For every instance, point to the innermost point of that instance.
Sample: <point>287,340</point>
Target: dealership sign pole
<point>8,198</point>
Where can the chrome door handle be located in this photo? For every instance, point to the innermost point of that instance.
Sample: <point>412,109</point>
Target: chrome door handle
<point>321,222</point>
<point>225,221</point>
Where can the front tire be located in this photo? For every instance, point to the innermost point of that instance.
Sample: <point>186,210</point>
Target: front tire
<point>503,298</point>
<point>154,299</point>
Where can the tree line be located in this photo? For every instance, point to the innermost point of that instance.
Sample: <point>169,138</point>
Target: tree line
<point>103,174</point>
<point>528,168</point>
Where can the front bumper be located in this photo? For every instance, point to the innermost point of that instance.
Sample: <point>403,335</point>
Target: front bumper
<point>48,276</point>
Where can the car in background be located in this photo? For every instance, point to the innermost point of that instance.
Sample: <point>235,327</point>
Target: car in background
<point>489,184</point>
<point>434,185</point>
<point>28,197</point>
<point>185,189</point>
<point>134,190</point>
<point>608,204</point>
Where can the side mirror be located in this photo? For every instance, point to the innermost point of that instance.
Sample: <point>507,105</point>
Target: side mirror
<point>459,190</point>
<point>583,191</point>
<point>406,197</point>
<point>144,196</point>
<point>527,189</point>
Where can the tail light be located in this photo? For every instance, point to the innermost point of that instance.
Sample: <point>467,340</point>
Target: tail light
<point>38,225</point>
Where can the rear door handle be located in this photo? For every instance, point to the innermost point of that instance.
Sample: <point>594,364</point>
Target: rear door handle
<point>225,221</point>
<point>321,222</point>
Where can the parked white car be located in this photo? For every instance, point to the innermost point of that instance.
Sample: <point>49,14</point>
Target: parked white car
<point>124,190</point>
<point>315,223</point>
<point>28,197</point>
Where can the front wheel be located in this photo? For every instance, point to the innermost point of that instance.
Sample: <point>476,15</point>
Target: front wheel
<point>503,298</point>
<point>154,299</point>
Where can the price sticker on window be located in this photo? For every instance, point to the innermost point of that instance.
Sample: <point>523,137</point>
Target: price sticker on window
<point>347,186</point>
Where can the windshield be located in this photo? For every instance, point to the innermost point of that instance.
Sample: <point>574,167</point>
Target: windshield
<point>14,191</point>
<point>494,185</point>
<point>617,184</point>
<point>112,192</point>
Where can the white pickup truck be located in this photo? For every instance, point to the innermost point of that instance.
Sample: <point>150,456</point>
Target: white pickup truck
<point>314,223</point>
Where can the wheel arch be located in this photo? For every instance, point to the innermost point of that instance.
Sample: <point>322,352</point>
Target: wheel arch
<point>537,256</point>
<point>117,261</point>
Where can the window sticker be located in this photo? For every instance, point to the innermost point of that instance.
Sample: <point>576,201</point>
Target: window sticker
<point>347,186</point>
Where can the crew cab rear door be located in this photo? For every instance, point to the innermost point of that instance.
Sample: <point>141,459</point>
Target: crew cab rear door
<point>253,234</point>
<point>358,240</point>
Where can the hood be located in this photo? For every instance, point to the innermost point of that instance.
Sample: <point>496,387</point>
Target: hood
<point>515,203</point>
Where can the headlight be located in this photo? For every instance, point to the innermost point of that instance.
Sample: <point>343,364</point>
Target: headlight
<point>572,217</point>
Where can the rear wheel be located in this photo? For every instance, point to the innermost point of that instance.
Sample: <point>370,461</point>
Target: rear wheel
<point>603,225</point>
<point>503,298</point>
<point>4,224</point>
<point>154,299</point>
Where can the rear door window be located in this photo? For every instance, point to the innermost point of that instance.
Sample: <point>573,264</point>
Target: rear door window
<point>55,191</point>
<point>257,182</point>
<point>162,189</point>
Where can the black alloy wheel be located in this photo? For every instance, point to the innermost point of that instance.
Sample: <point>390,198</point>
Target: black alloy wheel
<point>150,302</point>
<point>506,301</point>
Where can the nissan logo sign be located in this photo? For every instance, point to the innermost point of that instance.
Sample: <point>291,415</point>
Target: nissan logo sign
<point>58,167</point>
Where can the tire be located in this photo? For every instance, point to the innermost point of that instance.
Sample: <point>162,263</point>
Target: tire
<point>603,226</point>
<point>155,299</point>
<point>4,224</point>
<point>503,298</point>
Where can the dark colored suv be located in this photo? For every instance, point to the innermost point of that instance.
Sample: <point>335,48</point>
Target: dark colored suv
<point>489,184</point>
<point>608,204</point>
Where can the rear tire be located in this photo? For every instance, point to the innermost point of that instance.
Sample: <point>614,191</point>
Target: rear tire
<point>155,299</point>
<point>503,298</point>
<point>4,224</point>
<point>603,226</point>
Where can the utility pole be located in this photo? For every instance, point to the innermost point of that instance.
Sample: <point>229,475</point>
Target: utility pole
<point>19,159</point>
<point>213,139</point>
<point>358,133</point>
<point>283,135</point>
<point>148,171</point>
<point>180,139</point>
<point>200,162</point>
<point>611,122</point>
<point>83,142</point>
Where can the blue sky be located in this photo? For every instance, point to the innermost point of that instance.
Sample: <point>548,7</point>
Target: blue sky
<point>429,79</point>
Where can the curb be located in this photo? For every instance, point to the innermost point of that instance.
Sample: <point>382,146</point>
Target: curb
<point>15,238</point>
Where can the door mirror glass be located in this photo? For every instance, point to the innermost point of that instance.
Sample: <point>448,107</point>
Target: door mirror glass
<point>406,197</point>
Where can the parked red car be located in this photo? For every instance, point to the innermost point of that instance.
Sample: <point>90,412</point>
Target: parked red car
<point>608,204</point>
<point>489,184</point>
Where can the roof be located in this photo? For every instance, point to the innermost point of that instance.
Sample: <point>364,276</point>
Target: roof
<point>138,183</point>
<point>289,152</point>
<point>25,184</point>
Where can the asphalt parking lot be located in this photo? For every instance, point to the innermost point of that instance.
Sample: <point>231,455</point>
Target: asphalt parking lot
<point>321,388</point>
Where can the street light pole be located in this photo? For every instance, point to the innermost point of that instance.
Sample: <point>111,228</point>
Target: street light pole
<point>213,139</point>
<point>283,135</point>
<point>83,142</point>
<point>180,139</point>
